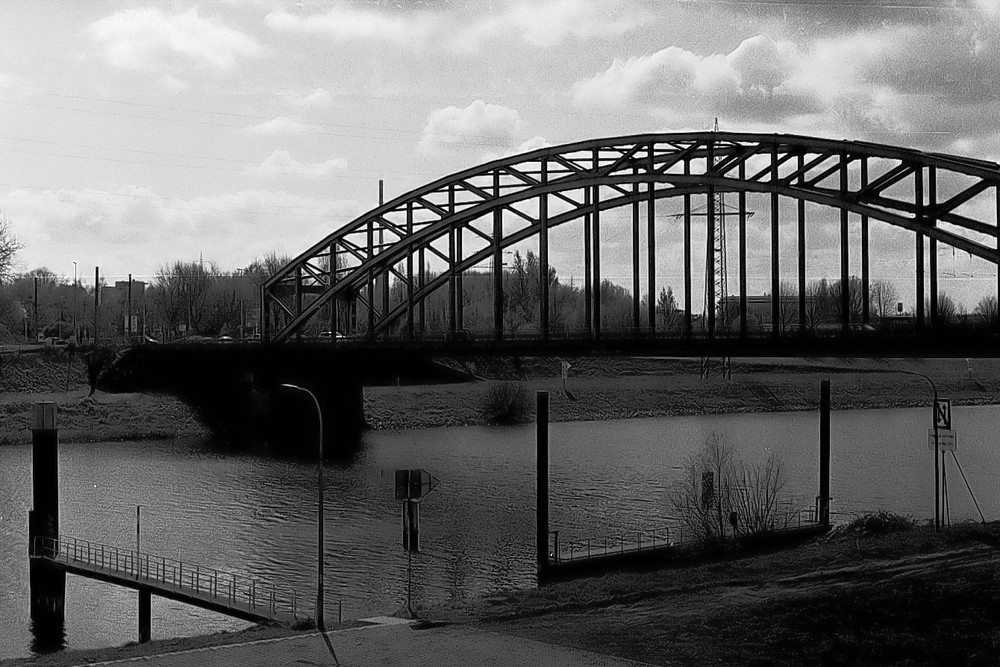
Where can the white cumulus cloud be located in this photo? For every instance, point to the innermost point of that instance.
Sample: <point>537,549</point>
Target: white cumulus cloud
<point>281,163</point>
<point>346,23</point>
<point>281,125</point>
<point>477,124</point>
<point>152,40</point>
<point>318,98</point>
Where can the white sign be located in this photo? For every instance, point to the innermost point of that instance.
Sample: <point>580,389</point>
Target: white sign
<point>947,440</point>
<point>565,369</point>
<point>942,413</point>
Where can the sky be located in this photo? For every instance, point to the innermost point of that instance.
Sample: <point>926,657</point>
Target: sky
<point>136,134</point>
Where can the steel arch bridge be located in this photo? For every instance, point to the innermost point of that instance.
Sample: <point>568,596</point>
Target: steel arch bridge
<point>371,278</point>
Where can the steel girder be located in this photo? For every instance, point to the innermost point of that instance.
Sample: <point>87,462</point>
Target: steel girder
<point>506,201</point>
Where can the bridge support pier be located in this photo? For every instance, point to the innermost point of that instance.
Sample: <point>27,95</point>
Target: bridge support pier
<point>145,604</point>
<point>46,580</point>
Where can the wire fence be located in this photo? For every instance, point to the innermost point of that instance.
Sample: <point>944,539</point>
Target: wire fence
<point>674,535</point>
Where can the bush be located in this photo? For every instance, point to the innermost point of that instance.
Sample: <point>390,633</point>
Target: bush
<point>504,403</point>
<point>721,494</point>
<point>880,522</point>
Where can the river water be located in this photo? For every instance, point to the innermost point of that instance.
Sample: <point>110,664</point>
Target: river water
<point>256,516</point>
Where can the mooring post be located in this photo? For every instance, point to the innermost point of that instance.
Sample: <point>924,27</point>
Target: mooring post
<point>542,485</point>
<point>47,580</point>
<point>824,454</point>
<point>145,598</point>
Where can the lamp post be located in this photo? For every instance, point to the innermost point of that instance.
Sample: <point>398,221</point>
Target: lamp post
<point>937,491</point>
<point>319,474</point>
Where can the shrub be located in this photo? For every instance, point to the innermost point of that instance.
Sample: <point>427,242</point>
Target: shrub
<point>719,488</point>
<point>504,403</point>
<point>880,522</point>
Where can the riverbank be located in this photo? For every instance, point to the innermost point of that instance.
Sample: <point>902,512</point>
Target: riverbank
<point>595,389</point>
<point>859,596</point>
<point>624,388</point>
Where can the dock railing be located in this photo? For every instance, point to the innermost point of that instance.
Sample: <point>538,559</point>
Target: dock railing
<point>670,535</point>
<point>223,588</point>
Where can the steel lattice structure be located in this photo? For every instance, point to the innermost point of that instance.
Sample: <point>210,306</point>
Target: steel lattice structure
<point>377,265</point>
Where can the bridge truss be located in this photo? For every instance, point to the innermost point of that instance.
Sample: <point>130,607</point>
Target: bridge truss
<point>373,276</point>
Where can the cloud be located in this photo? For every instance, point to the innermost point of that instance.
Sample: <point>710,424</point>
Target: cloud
<point>318,98</point>
<point>540,24</point>
<point>751,81</point>
<point>151,40</point>
<point>525,146</point>
<point>281,163</point>
<point>549,24</point>
<point>281,125</point>
<point>477,124</point>
<point>116,229</point>
<point>348,24</point>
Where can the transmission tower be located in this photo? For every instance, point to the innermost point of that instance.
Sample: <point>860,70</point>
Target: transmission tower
<point>716,271</point>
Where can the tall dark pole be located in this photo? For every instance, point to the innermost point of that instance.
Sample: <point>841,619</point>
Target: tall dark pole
<point>35,313</point>
<point>319,528</point>
<point>97,299</point>
<point>824,453</point>
<point>542,484</point>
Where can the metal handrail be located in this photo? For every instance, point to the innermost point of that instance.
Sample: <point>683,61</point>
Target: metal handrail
<point>225,588</point>
<point>668,536</point>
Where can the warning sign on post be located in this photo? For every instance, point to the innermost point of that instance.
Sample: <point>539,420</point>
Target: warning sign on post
<point>947,439</point>
<point>942,413</point>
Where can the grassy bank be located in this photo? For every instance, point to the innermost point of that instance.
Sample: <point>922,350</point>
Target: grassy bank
<point>597,389</point>
<point>914,597</point>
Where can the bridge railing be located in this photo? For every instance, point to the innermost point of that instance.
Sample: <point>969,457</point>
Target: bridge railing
<point>220,587</point>
<point>672,535</point>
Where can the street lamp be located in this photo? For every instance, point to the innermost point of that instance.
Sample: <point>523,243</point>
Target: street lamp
<point>319,474</point>
<point>937,492</point>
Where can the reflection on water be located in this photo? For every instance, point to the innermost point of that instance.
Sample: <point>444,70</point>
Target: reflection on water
<point>256,516</point>
<point>47,635</point>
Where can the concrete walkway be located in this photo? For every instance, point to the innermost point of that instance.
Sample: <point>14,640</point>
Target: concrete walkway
<point>392,642</point>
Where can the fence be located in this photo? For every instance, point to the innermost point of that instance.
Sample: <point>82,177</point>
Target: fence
<point>562,550</point>
<point>223,588</point>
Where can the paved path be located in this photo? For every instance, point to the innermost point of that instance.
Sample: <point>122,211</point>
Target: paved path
<point>387,644</point>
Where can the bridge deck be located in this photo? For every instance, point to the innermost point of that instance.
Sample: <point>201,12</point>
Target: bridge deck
<point>190,583</point>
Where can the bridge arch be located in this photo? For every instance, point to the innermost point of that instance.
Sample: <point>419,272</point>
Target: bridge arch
<point>378,260</point>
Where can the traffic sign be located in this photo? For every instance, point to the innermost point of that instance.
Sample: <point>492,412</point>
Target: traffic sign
<point>414,484</point>
<point>942,413</point>
<point>947,439</point>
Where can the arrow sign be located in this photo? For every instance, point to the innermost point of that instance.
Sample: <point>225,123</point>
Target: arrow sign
<point>942,413</point>
<point>414,483</point>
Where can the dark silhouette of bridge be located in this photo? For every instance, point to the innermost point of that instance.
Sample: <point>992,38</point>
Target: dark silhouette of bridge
<point>363,305</point>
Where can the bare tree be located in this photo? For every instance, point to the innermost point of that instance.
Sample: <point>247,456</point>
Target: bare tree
<point>8,248</point>
<point>986,309</point>
<point>883,296</point>
<point>666,308</point>
<point>947,310</point>
<point>719,490</point>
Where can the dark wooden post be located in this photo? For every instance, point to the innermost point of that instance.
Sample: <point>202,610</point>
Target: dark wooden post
<point>824,454</point>
<point>47,581</point>
<point>145,599</point>
<point>542,484</point>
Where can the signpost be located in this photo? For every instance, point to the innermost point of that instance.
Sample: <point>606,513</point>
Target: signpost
<point>412,485</point>
<point>947,440</point>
